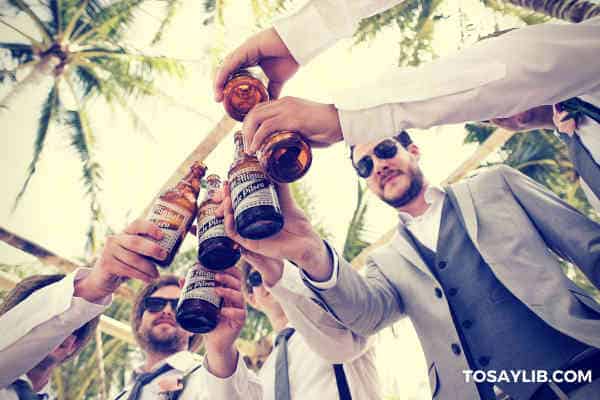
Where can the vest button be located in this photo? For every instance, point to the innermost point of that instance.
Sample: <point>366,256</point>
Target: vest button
<point>467,324</point>
<point>438,292</point>
<point>455,348</point>
<point>442,264</point>
<point>484,361</point>
<point>452,291</point>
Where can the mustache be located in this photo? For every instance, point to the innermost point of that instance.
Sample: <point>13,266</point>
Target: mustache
<point>387,175</point>
<point>163,319</point>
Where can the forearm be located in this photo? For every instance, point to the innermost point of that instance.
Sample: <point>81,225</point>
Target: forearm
<point>222,363</point>
<point>241,384</point>
<point>536,65</point>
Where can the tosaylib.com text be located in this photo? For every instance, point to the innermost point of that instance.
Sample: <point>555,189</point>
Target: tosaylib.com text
<point>527,376</point>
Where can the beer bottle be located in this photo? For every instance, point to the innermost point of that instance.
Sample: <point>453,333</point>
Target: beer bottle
<point>174,211</point>
<point>242,92</point>
<point>285,156</point>
<point>254,200</point>
<point>199,306</point>
<point>215,250</point>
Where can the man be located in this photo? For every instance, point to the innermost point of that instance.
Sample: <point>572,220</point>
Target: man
<point>471,266</point>
<point>529,67</point>
<point>305,362</point>
<point>170,367</point>
<point>45,320</point>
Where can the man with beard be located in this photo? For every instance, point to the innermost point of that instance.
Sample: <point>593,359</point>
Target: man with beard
<point>170,365</point>
<point>471,265</point>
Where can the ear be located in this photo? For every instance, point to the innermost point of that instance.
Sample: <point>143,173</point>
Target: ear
<point>414,150</point>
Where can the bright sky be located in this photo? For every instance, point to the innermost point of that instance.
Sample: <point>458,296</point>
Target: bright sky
<point>54,212</point>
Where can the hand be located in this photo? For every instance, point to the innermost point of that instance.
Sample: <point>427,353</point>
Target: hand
<point>220,350</point>
<point>265,49</point>
<point>123,257</point>
<point>318,123</point>
<point>562,123</point>
<point>270,269</point>
<point>297,241</point>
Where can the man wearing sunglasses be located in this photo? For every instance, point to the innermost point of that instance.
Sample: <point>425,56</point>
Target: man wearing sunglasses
<point>171,368</point>
<point>473,265</point>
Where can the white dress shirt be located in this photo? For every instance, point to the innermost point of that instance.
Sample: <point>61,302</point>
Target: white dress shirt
<point>241,385</point>
<point>36,326</point>
<point>498,77</point>
<point>319,342</point>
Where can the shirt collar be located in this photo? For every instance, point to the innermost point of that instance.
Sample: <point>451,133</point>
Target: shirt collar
<point>433,195</point>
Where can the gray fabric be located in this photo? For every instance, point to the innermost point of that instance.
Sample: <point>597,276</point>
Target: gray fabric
<point>587,392</point>
<point>512,221</point>
<point>24,391</point>
<point>282,378</point>
<point>583,162</point>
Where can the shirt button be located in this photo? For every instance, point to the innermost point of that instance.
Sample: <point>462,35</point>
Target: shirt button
<point>442,264</point>
<point>452,291</point>
<point>484,361</point>
<point>455,348</point>
<point>438,292</point>
<point>467,324</point>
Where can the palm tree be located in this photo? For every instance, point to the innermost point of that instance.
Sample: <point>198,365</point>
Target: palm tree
<point>78,45</point>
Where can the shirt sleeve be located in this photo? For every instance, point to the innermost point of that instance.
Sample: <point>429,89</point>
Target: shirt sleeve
<point>329,21</point>
<point>499,77</point>
<point>241,385</point>
<point>36,326</point>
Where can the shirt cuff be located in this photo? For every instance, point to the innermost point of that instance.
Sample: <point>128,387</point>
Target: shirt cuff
<point>232,387</point>
<point>303,44</point>
<point>367,125</point>
<point>291,280</point>
<point>332,281</point>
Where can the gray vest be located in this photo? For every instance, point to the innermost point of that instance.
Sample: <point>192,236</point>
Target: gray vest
<point>583,162</point>
<point>496,330</point>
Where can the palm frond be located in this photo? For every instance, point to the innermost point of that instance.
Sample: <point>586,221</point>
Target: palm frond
<point>171,8</point>
<point>20,55</point>
<point>304,200</point>
<point>42,27</point>
<point>354,244</point>
<point>50,109</point>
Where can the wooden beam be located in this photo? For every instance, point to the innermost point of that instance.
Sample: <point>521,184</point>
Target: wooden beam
<point>46,257</point>
<point>107,325</point>
<point>491,144</point>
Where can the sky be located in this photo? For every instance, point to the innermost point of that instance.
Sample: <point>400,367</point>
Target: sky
<point>54,212</point>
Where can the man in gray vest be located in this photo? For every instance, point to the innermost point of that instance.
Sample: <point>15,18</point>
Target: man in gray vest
<point>474,266</point>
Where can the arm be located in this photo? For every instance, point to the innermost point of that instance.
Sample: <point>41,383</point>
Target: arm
<point>242,384</point>
<point>36,326</point>
<point>566,231</point>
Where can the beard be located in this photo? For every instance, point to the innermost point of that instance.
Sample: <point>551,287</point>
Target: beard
<point>413,190</point>
<point>165,344</point>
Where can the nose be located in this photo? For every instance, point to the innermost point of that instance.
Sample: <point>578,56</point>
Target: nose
<point>380,166</point>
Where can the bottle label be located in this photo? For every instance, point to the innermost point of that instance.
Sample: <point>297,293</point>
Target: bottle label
<point>172,221</point>
<point>200,284</point>
<point>250,187</point>
<point>210,226</point>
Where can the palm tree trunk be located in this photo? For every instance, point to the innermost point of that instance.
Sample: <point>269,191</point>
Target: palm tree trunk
<point>568,10</point>
<point>40,71</point>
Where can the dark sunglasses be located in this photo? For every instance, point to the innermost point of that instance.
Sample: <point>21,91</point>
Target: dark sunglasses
<point>157,304</point>
<point>384,150</point>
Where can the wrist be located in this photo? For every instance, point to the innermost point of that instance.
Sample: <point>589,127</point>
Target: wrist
<point>315,261</point>
<point>86,289</point>
<point>272,276</point>
<point>221,363</point>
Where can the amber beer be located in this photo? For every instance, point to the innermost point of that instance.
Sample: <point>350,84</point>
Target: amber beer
<point>198,307</point>
<point>285,156</point>
<point>174,211</point>
<point>242,92</point>
<point>254,200</point>
<point>215,250</point>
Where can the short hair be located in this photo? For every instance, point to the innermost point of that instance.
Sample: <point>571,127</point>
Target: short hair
<point>138,309</point>
<point>402,137</point>
<point>28,286</point>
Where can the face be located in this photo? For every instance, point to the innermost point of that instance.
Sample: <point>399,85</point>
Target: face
<point>397,180</point>
<point>534,118</point>
<point>160,330</point>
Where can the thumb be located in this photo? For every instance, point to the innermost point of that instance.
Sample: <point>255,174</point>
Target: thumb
<point>274,89</point>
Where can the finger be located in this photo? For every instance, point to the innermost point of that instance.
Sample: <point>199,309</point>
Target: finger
<point>143,227</point>
<point>228,281</point>
<point>141,245</point>
<point>181,282</point>
<point>236,59</point>
<point>233,297</point>
<point>254,120</point>
<point>121,269</point>
<point>235,314</point>
<point>286,200</point>
<point>135,261</point>
<point>193,230</point>
<point>274,89</point>
<point>266,129</point>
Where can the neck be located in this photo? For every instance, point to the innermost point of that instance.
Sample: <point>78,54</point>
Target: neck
<point>39,376</point>
<point>153,358</point>
<point>278,321</point>
<point>418,205</point>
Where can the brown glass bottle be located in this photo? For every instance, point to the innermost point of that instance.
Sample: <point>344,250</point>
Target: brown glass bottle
<point>215,250</point>
<point>198,307</point>
<point>174,211</point>
<point>285,156</point>
<point>242,92</point>
<point>253,197</point>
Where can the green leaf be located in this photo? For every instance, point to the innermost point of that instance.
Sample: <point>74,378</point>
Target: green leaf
<point>354,244</point>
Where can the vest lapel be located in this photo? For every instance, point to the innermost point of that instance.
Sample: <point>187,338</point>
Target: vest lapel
<point>462,194</point>
<point>403,244</point>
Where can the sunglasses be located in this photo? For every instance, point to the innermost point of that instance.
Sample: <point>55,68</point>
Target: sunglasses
<point>157,304</point>
<point>384,150</point>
